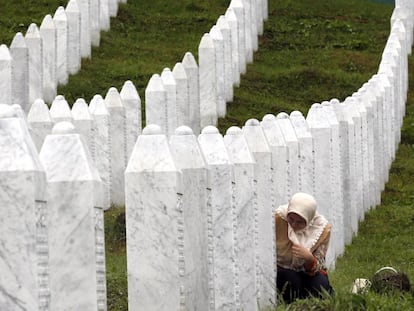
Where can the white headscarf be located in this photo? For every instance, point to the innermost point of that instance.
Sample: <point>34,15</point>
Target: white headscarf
<point>304,205</point>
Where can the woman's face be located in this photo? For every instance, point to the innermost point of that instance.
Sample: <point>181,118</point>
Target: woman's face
<point>296,222</point>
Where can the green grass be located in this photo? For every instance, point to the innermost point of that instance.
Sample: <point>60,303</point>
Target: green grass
<point>310,51</point>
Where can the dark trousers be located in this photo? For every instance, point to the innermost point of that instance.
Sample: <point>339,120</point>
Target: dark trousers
<point>293,285</point>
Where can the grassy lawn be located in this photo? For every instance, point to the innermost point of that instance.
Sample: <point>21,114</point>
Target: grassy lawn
<point>310,51</point>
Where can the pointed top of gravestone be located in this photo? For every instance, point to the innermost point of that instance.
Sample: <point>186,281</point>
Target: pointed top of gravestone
<point>7,111</point>
<point>167,77</point>
<point>212,146</point>
<point>129,91</point>
<point>234,130</point>
<point>39,112</point>
<point>113,99</point>
<point>98,106</point>
<point>316,117</point>
<point>231,15</point>
<point>32,31</point>
<point>216,33</point>
<point>237,147</point>
<point>269,117</point>
<point>179,72</point>
<point>185,149</point>
<point>206,42</point>
<point>94,100</point>
<point>255,136</point>
<point>222,22</point>
<point>189,61</point>
<point>80,110</point>
<point>17,150</point>
<point>151,152</point>
<point>334,101</point>
<point>272,131</point>
<point>65,156</point>
<point>210,129</point>
<point>252,122</point>
<point>47,22</point>
<point>5,53</point>
<point>60,109</point>
<point>183,130</point>
<point>299,124</point>
<point>236,4</point>
<point>63,127</point>
<point>152,129</point>
<point>155,84</point>
<point>282,115</point>
<point>72,6</point>
<point>18,42</point>
<point>285,124</point>
<point>60,14</point>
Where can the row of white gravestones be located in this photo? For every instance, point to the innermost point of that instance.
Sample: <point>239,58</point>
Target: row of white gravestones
<point>341,153</point>
<point>45,56</point>
<point>52,228</point>
<point>109,126</point>
<point>196,95</point>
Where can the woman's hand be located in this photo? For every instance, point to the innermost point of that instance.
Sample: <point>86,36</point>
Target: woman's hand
<point>301,252</point>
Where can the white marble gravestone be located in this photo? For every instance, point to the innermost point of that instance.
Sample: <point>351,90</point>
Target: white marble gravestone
<point>117,119</point>
<point>280,157</point>
<point>306,158</point>
<point>245,214</point>
<point>73,207</point>
<point>113,7</point>
<point>60,110</point>
<point>254,25</point>
<point>83,122</point>
<point>191,69</point>
<point>347,154</point>
<point>85,28</point>
<point>133,123</point>
<point>94,21</point>
<point>337,188</point>
<point>154,225</point>
<point>156,103</point>
<point>48,34</point>
<point>5,75</point>
<point>363,163</point>
<point>221,256</point>
<point>104,18</point>
<point>322,135</point>
<point>266,273</point>
<point>20,71</point>
<point>189,160</point>
<point>74,23</point>
<point>369,126</point>
<point>224,27</point>
<point>218,40</point>
<point>182,103</point>
<point>101,153</point>
<point>170,86</point>
<point>35,49</point>
<point>207,81</point>
<point>40,122</point>
<point>61,24</point>
<point>231,19</point>
<point>289,134</point>
<point>239,10</point>
<point>24,256</point>
<point>247,4</point>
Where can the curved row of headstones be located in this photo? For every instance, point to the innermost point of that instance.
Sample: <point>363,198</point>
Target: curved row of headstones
<point>199,229</point>
<point>199,209</point>
<point>37,62</point>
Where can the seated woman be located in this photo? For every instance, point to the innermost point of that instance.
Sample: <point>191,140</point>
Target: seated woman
<point>302,238</point>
